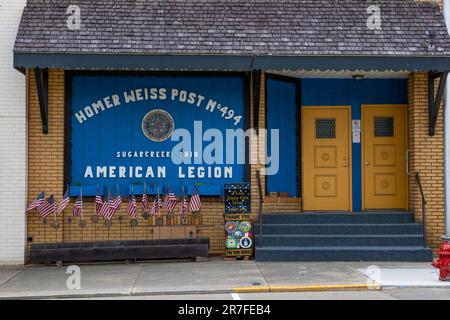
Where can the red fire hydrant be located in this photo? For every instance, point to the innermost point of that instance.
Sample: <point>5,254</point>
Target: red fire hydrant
<point>443,263</point>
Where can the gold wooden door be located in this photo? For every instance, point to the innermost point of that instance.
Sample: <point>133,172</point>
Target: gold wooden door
<point>326,158</point>
<point>384,157</point>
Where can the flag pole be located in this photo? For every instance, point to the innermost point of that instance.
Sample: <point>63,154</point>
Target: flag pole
<point>44,222</point>
<point>109,196</point>
<point>146,213</point>
<point>69,221</point>
<point>95,214</point>
<point>133,228</point>
<point>63,216</point>
<point>81,215</point>
<point>120,217</point>
<point>173,217</point>
<point>185,227</point>
<point>156,220</point>
<point>164,217</point>
<point>55,226</point>
<point>81,198</point>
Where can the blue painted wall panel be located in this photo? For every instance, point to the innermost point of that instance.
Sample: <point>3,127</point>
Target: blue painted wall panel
<point>333,92</point>
<point>281,115</point>
<point>96,141</point>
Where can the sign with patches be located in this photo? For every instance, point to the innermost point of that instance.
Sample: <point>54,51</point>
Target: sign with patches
<point>167,131</point>
<point>238,225</point>
<point>239,236</point>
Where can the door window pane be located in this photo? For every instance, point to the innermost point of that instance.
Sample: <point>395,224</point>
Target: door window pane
<point>325,128</point>
<point>384,126</point>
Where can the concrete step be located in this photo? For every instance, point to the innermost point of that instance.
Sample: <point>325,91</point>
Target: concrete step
<point>340,229</point>
<point>401,254</point>
<point>322,217</point>
<point>385,240</point>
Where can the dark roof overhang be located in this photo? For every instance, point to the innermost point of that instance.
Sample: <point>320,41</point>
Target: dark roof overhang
<point>73,61</point>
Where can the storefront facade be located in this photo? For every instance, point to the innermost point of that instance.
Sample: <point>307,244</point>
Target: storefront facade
<point>349,138</point>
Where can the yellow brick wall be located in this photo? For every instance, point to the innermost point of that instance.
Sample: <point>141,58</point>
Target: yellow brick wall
<point>46,153</point>
<point>427,158</point>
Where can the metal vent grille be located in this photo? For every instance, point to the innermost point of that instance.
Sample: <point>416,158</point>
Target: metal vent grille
<point>325,128</point>
<point>384,126</point>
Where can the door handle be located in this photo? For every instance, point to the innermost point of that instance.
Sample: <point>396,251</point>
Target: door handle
<point>345,164</point>
<point>367,163</point>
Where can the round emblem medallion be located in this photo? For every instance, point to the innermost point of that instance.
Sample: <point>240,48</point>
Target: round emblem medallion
<point>82,224</point>
<point>230,226</point>
<point>245,226</point>
<point>246,243</point>
<point>325,157</point>
<point>238,235</point>
<point>384,184</point>
<point>158,125</point>
<point>197,215</point>
<point>134,223</point>
<point>170,215</point>
<point>326,186</point>
<point>95,219</point>
<point>231,243</point>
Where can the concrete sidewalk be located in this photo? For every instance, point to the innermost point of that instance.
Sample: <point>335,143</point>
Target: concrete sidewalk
<point>178,277</point>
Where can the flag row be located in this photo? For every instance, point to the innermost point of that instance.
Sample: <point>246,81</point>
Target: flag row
<point>107,207</point>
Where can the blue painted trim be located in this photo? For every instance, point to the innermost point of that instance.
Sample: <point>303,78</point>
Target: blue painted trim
<point>88,191</point>
<point>152,189</point>
<point>228,63</point>
<point>281,114</point>
<point>206,190</point>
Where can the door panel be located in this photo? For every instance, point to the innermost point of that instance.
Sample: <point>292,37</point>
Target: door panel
<point>326,158</point>
<point>384,148</point>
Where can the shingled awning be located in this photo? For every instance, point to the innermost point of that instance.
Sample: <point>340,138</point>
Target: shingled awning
<point>233,35</point>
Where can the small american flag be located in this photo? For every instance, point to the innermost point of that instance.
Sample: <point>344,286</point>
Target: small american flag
<point>78,208</point>
<point>166,201</point>
<point>156,206</point>
<point>104,208</point>
<point>144,202</point>
<point>114,206</point>
<point>132,208</point>
<point>64,202</point>
<point>48,208</point>
<point>196,204</point>
<point>109,211</point>
<point>39,201</point>
<point>170,202</point>
<point>184,207</point>
<point>117,202</point>
<point>98,203</point>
